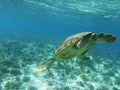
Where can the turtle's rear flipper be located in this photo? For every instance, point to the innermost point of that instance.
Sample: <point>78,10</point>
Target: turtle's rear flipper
<point>85,57</point>
<point>45,64</point>
<point>103,38</point>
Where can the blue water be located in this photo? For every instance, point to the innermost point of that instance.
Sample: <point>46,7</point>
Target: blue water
<point>30,31</point>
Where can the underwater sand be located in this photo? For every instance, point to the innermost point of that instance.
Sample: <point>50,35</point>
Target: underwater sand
<point>19,58</point>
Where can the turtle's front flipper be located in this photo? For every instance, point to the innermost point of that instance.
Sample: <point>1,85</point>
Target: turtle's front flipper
<point>103,37</point>
<point>46,64</point>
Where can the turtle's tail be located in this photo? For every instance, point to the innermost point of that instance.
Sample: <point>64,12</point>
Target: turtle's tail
<point>46,64</point>
<point>103,38</point>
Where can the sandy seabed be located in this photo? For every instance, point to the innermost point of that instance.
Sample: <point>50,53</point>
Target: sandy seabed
<point>19,58</point>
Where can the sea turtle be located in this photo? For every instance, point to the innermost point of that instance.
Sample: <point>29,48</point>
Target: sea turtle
<point>76,46</point>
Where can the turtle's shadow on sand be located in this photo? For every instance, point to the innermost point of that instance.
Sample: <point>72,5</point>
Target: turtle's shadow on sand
<point>87,63</point>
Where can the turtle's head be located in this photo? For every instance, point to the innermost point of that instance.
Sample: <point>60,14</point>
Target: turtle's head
<point>111,38</point>
<point>103,37</point>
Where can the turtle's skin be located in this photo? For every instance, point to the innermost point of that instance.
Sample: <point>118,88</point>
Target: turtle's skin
<point>76,46</point>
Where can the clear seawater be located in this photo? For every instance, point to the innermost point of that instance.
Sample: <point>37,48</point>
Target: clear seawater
<point>31,30</point>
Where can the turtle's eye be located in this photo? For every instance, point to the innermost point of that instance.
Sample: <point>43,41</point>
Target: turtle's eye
<point>63,54</point>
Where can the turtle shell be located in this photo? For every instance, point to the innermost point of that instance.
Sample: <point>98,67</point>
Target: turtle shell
<point>68,47</point>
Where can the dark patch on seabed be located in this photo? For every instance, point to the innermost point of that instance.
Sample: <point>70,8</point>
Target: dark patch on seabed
<point>19,58</point>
